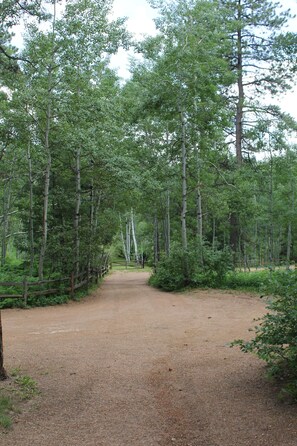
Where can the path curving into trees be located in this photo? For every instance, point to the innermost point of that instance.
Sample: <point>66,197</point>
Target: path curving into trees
<point>132,366</point>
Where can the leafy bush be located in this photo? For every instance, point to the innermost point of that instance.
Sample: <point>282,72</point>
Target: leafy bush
<point>275,338</point>
<point>186,269</point>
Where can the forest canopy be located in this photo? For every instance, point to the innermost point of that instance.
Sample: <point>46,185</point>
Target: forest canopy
<point>187,156</point>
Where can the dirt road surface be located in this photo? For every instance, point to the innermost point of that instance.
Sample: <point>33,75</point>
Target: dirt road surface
<point>132,366</point>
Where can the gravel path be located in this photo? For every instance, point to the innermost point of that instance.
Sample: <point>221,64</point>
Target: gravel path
<point>132,366</point>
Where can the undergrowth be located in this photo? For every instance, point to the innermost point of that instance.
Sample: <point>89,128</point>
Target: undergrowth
<point>14,272</point>
<point>191,269</point>
<point>247,281</point>
<point>275,335</point>
<point>13,392</point>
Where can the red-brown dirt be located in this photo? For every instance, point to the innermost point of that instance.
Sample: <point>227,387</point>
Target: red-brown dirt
<point>133,366</point>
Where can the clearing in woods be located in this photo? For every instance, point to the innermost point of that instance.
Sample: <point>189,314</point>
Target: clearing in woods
<point>133,366</point>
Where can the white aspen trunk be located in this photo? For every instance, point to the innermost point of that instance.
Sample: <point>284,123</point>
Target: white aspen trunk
<point>134,237</point>
<point>213,234</point>
<point>45,195</point>
<point>92,209</point>
<point>77,211</point>
<point>156,242</point>
<point>31,224</point>
<point>289,236</point>
<point>5,222</point>
<point>96,212</point>
<point>199,217</point>
<point>49,158</point>
<point>271,204</point>
<point>128,240</point>
<point>289,243</point>
<point>199,203</point>
<point>184,184</point>
<point>167,229</point>
<point>123,241</point>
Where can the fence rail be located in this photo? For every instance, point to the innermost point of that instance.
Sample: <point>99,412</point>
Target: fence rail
<point>64,285</point>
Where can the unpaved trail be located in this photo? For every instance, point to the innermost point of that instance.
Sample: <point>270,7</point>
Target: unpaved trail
<point>132,366</point>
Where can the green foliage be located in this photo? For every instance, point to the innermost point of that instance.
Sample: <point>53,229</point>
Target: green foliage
<point>12,393</point>
<point>6,407</point>
<point>275,339</point>
<point>27,387</point>
<point>194,268</point>
<point>253,281</point>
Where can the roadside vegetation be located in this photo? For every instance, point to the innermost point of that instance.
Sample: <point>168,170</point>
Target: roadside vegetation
<point>13,393</point>
<point>275,335</point>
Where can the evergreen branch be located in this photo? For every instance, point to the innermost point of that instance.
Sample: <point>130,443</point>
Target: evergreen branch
<point>15,58</point>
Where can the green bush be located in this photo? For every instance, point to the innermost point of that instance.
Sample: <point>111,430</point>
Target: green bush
<point>187,269</point>
<point>275,338</point>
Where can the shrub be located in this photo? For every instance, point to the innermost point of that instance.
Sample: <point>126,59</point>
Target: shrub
<point>186,269</point>
<point>275,338</point>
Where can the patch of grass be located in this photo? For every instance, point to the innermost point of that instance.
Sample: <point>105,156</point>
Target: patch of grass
<point>17,389</point>
<point>27,387</point>
<point>247,281</point>
<point>120,265</point>
<point>6,408</point>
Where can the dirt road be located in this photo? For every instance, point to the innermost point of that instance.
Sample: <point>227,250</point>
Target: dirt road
<point>132,366</point>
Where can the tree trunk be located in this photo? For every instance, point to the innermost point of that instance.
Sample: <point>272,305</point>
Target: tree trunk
<point>271,205</point>
<point>156,242</point>
<point>134,238</point>
<point>240,98</point>
<point>47,150</point>
<point>92,211</point>
<point>31,225</point>
<point>184,184</point>
<point>199,203</point>
<point>3,374</point>
<point>45,195</point>
<point>77,211</point>
<point>5,223</point>
<point>128,240</point>
<point>289,237</point>
<point>167,225</point>
<point>213,234</point>
<point>123,243</point>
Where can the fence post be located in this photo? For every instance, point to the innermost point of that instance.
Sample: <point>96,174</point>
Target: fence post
<point>72,285</point>
<point>25,291</point>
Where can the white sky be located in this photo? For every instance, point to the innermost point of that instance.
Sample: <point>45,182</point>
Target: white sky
<point>140,22</point>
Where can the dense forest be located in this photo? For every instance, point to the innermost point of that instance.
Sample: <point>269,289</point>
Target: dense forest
<point>189,157</point>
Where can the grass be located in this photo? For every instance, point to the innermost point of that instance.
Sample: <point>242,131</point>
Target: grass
<point>6,409</point>
<point>120,265</point>
<point>248,281</point>
<point>13,392</point>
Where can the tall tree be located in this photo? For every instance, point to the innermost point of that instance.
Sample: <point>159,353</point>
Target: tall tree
<point>256,32</point>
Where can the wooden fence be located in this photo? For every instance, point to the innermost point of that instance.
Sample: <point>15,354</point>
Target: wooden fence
<point>55,286</point>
